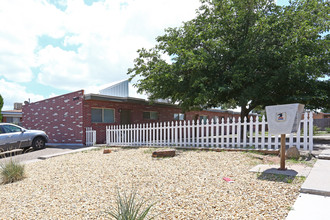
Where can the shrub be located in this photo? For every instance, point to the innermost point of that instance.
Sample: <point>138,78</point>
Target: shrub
<point>12,171</point>
<point>327,129</point>
<point>128,208</point>
<point>315,130</point>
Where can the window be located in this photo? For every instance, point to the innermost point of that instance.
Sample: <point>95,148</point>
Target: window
<point>178,116</point>
<point>11,129</point>
<point>215,118</point>
<point>14,120</point>
<point>150,115</point>
<point>203,118</point>
<point>103,115</point>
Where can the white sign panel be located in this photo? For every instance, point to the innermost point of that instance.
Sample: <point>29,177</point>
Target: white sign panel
<point>284,119</point>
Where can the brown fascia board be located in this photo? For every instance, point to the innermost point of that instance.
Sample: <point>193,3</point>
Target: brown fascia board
<point>222,111</point>
<point>98,97</point>
<point>229,112</point>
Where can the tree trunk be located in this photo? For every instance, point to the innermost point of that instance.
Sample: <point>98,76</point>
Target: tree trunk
<point>244,113</point>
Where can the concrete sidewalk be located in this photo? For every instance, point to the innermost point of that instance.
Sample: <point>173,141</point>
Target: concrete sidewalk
<point>314,198</point>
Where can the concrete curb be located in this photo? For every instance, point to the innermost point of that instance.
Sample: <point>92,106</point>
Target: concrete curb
<point>315,192</point>
<point>324,156</point>
<point>67,152</point>
<point>318,181</point>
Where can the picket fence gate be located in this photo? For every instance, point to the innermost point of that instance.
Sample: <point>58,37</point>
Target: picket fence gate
<point>211,134</point>
<point>90,136</point>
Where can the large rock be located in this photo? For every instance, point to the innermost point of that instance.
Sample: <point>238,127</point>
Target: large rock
<point>107,151</point>
<point>292,153</point>
<point>163,153</point>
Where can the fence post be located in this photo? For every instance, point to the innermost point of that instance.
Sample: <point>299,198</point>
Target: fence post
<point>233,132</point>
<point>197,133</point>
<point>168,133</point>
<point>184,134</point>
<point>244,131</point>
<point>217,133</point>
<point>94,137</point>
<point>263,132</point>
<point>291,140</point>
<point>251,131</point>
<point>310,132</point>
<point>239,127</point>
<point>256,139</point>
<point>160,134</point>
<point>180,134</point>
<point>222,133</point>
<point>193,136</point>
<point>298,136</point>
<point>227,133</point>
<point>207,127</point>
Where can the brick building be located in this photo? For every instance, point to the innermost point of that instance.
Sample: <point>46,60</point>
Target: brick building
<point>65,118</point>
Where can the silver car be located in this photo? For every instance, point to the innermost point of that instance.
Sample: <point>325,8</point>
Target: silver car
<point>13,137</point>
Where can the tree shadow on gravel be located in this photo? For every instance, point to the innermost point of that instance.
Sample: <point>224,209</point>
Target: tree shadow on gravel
<point>280,178</point>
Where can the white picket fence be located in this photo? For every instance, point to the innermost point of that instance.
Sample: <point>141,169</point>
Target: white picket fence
<point>90,137</point>
<point>212,134</point>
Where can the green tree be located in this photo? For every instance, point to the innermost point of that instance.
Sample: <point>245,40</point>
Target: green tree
<point>1,104</point>
<point>247,53</point>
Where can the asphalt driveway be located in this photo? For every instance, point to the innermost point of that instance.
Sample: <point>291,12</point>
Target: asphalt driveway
<point>50,149</point>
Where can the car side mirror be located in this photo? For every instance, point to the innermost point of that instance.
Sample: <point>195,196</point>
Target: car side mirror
<point>23,130</point>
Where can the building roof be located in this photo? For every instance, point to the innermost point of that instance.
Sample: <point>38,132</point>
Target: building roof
<point>102,97</point>
<point>119,89</point>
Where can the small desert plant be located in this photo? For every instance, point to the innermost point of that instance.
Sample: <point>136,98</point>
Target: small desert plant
<point>11,171</point>
<point>128,208</point>
<point>150,150</point>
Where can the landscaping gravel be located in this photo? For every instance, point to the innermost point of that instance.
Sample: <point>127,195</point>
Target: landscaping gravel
<point>188,186</point>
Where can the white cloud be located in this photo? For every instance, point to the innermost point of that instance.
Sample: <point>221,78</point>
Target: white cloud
<point>21,23</point>
<point>13,92</point>
<point>107,33</point>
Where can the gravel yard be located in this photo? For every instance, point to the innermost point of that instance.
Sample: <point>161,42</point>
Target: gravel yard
<point>188,186</point>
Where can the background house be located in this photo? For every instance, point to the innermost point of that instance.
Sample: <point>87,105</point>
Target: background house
<point>321,120</point>
<point>66,117</point>
<point>13,116</point>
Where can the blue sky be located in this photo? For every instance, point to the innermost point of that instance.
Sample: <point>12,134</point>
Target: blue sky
<point>51,47</point>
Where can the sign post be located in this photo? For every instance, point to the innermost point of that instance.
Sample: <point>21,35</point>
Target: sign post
<point>283,119</point>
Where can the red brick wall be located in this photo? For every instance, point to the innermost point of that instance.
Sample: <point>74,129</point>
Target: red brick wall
<point>60,117</point>
<point>165,113</point>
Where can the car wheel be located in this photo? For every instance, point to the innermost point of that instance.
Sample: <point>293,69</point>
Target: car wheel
<point>38,143</point>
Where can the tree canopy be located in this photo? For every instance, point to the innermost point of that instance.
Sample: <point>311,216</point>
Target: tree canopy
<point>247,53</point>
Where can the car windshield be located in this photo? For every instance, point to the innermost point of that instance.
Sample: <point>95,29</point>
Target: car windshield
<point>10,128</point>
